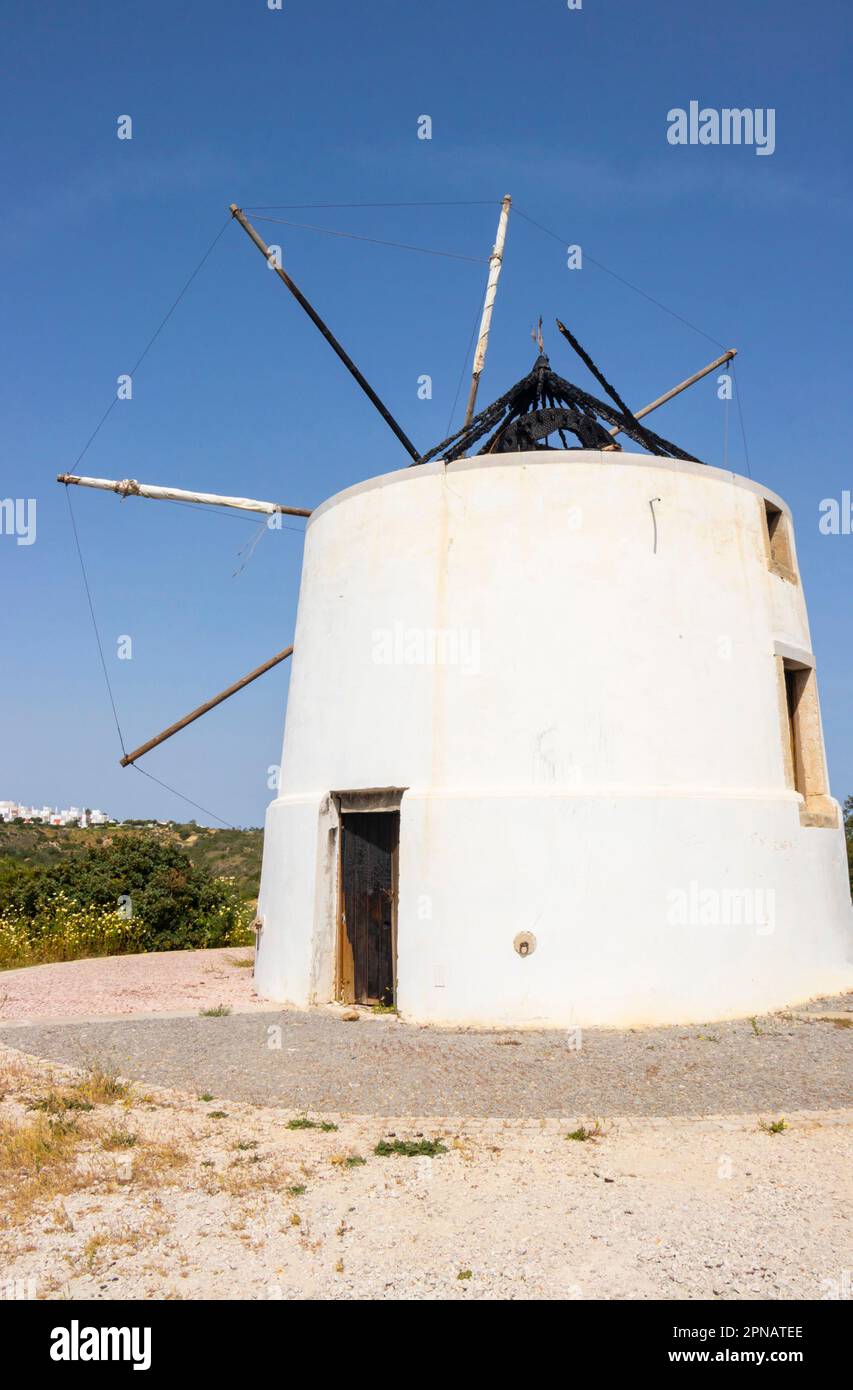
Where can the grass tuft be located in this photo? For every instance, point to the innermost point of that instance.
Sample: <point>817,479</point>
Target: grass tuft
<point>119,1139</point>
<point>410,1148</point>
<point>583,1133</point>
<point>773,1126</point>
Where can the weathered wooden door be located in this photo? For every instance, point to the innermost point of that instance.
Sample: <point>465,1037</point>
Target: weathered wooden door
<point>368,906</point>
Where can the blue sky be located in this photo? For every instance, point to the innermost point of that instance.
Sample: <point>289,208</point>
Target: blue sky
<point>318,104</point>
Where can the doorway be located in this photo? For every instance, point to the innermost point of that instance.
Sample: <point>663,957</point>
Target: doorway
<point>367,934</point>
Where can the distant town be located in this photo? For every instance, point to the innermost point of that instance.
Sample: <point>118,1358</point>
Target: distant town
<point>11,811</point>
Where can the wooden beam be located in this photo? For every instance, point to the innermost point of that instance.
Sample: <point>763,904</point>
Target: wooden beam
<point>682,386</point>
<point>495,263</point>
<point>326,332</point>
<point>203,709</point>
<point>130,488</point>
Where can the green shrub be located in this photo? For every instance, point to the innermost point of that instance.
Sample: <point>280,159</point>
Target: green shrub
<point>136,893</point>
<point>61,929</point>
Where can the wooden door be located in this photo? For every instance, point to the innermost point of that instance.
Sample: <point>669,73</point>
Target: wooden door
<point>368,906</point>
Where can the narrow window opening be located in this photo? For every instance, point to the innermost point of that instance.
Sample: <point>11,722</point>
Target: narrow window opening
<point>781,557</point>
<point>794,686</point>
<point>805,763</point>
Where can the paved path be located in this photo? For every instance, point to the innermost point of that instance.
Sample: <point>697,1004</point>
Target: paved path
<point>316,1061</point>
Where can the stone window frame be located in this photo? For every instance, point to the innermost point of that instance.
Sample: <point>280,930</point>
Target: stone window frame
<point>804,758</point>
<point>778,541</point>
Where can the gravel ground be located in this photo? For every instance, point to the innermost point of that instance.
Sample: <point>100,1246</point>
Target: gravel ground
<point>156,982</point>
<point>218,1201</point>
<point>315,1060</point>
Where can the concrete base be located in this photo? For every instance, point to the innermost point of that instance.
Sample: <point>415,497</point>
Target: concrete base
<point>670,907</point>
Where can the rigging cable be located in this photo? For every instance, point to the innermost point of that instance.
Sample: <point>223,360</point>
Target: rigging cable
<point>740,417</point>
<point>108,683</point>
<point>351,236</point>
<point>94,620</point>
<point>150,344</point>
<point>181,797</point>
<point>86,585</point>
<point>313,207</point>
<point>601,266</point>
<point>481,301</point>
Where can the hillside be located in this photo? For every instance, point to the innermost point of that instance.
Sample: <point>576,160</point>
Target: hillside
<point>227,853</point>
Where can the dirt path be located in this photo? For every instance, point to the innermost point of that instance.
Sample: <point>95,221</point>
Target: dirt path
<point>214,1200</point>
<point>159,982</point>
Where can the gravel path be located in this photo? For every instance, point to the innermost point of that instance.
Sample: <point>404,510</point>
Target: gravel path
<point>316,1061</point>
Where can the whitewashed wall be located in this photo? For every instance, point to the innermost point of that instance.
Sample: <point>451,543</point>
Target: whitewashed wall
<point>595,756</point>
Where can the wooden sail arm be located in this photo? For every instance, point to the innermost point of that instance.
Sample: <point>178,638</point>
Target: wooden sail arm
<point>327,333</point>
<point>130,488</point>
<point>495,263</point>
<point>682,386</point>
<point>203,709</point>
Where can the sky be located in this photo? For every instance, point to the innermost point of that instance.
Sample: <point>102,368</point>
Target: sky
<point>301,113</point>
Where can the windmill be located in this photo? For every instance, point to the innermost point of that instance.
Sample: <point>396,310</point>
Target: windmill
<point>511,753</point>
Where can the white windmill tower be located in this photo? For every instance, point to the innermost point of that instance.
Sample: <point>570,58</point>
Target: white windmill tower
<point>553,752</point>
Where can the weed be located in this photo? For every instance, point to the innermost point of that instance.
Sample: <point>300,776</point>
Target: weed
<point>302,1122</point>
<point>465,1274</point>
<point>102,1086</point>
<point>93,1245</point>
<point>410,1148</point>
<point>772,1126</point>
<point>296,1190</point>
<point>55,1103</point>
<point>119,1139</point>
<point>218,1011</point>
<point>582,1134</point>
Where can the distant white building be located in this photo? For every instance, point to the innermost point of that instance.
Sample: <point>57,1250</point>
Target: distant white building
<point>47,815</point>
